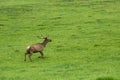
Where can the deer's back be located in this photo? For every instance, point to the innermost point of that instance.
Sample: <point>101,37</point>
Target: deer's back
<point>36,47</point>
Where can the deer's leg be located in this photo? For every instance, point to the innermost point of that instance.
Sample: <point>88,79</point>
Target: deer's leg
<point>30,56</point>
<point>25,56</point>
<point>42,55</point>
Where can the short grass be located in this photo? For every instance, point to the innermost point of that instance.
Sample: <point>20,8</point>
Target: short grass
<point>85,34</point>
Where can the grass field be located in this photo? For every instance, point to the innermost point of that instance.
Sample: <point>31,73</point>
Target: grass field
<point>85,39</point>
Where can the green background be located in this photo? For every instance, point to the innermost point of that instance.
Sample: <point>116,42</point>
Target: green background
<point>85,39</point>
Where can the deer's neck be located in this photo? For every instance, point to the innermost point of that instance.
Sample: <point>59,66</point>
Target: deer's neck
<point>44,43</point>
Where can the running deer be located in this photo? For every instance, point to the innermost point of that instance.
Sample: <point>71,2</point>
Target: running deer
<point>38,47</point>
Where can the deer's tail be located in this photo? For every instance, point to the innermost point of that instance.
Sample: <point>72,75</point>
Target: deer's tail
<point>28,50</point>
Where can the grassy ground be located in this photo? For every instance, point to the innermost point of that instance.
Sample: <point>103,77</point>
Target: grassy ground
<point>85,34</point>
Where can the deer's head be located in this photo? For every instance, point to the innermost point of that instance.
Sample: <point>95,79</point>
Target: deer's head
<point>46,39</point>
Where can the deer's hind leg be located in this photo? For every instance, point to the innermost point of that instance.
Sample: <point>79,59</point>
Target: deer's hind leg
<point>25,56</point>
<point>29,53</point>
<point>30,56</point>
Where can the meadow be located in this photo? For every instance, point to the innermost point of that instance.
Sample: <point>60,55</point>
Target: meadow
<point>85,39</point>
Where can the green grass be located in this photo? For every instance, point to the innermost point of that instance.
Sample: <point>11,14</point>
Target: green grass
<point>85,34</point>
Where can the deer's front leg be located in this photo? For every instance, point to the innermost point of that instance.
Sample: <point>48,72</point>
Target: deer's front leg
<point>30,56</point>
<point>42,55</point>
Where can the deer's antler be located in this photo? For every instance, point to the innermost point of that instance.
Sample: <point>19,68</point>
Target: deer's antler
<point>41,37</point>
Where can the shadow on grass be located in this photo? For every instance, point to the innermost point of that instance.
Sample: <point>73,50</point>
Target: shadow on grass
<point>105,78</point>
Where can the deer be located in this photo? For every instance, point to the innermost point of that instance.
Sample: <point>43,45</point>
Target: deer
<point>38,47</point>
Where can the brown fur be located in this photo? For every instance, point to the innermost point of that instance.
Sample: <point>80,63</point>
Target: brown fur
<point>37,48</point>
